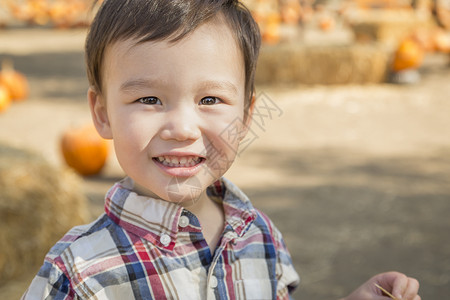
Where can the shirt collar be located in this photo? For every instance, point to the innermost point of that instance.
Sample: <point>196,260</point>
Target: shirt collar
<point>239,212</point>
<point>152,219</point>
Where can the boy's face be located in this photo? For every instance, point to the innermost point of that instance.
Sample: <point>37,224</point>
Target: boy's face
<point>174,110</point>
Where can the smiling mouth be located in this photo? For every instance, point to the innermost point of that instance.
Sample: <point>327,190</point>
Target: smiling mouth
<point>179,161</point>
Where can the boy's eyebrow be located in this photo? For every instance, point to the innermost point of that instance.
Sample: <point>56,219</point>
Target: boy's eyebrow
<point>225,86</point>
<point>137,83</point>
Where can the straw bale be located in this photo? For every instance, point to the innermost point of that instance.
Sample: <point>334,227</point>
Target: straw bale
<point>388,27</point>
<point>38,204</point>
<point>293,63</point>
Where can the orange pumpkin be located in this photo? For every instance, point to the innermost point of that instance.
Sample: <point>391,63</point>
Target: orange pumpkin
<point>409,55</point>
<point>68,13</point>
<point>59,14</point>
<point>30,11</point>
<point>270,28</point>
<point>291,12</point>
<point>14,81</point>
<point>84,150</point>
<point>39,9</point>
<point>326,23</point>
<point>5,98</point>
<point>271,33</point>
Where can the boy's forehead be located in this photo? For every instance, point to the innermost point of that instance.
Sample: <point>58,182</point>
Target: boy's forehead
<point>216,27</point>
<point>215,36</point>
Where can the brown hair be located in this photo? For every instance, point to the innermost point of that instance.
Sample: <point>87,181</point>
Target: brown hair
<point>153,20</point>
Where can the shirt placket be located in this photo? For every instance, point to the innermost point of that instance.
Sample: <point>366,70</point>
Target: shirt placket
<point>213,279</point>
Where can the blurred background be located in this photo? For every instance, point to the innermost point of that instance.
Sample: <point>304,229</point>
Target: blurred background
<point>350,148</point>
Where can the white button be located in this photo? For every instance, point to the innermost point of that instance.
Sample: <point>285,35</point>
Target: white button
<point>213,282</point>
<point>183,222</point>
<point>165,240</point>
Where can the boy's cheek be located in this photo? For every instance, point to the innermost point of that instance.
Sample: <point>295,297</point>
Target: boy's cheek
<point>234,133</point>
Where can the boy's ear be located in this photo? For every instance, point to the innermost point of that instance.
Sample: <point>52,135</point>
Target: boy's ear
<point>248,116</point>
<point>99,113</point>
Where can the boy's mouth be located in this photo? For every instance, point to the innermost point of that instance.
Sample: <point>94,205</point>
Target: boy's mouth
<point>179,161</point>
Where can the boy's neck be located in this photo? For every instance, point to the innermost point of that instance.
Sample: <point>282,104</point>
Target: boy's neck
<point>199,205</point>
<point>210,214</point>
<point>196,206</point>
<point>212,219</point>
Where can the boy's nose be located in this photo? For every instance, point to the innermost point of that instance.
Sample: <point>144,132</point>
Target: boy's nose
<point>181,125</point>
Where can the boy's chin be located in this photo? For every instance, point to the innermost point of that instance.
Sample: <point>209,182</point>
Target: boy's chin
<point>184,191</point>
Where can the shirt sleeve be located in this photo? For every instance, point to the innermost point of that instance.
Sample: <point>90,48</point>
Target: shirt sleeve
<point>287,277</point>
<point>50,283</point>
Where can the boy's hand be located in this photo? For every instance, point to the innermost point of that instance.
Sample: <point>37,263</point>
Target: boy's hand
<point>398,284</point>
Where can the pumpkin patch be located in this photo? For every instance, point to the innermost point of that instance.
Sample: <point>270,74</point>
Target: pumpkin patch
<point>59,13</point>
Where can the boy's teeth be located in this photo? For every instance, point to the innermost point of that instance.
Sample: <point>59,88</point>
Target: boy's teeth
<point>174,161</point>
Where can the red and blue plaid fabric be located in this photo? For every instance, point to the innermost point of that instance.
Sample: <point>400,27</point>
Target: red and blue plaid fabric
<point>144,248</point>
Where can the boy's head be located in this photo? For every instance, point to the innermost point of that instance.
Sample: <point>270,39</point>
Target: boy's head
<point>169,84</point>
<point>155,20</point>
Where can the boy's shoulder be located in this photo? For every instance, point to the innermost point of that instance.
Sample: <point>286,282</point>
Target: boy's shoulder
<point>80,251</point>
<point>79,236</point>
<point>269,231</point>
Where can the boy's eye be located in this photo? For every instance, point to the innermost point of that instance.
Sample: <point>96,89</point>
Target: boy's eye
<point>149,100</point>
<point>209,101</point>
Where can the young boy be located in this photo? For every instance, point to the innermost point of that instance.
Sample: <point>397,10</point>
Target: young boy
<point>168,81</point>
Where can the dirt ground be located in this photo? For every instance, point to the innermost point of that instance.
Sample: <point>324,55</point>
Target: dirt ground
<point>356,177</point>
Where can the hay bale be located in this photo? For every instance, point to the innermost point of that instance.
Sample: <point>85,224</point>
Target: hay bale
<point>294,63</point>
<point>38,204</point>
<point>388,26</point>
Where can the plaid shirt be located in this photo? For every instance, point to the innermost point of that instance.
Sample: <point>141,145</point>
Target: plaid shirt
<point>144,248</point>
